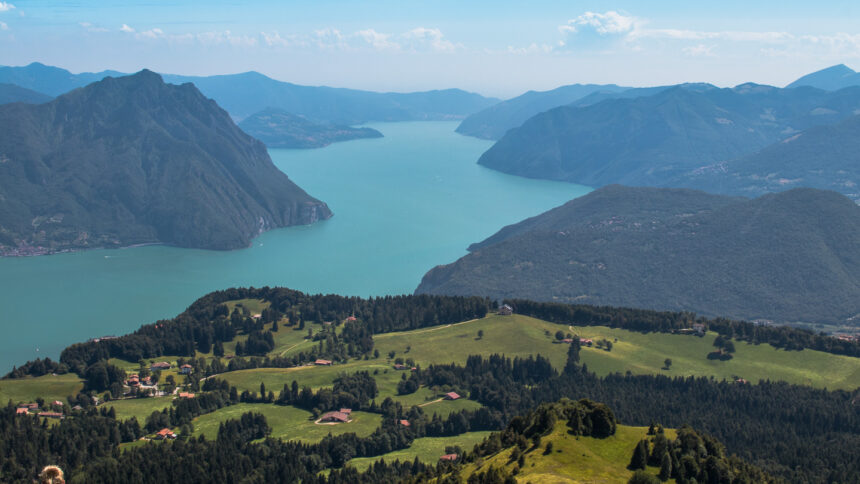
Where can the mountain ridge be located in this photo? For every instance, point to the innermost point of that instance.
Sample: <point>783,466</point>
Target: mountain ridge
<point>133,160</point>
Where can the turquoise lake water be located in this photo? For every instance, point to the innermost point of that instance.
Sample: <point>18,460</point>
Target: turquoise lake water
<point>402,204</point>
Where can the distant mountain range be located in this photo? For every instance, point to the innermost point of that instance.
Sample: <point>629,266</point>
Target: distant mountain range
<point>280,129</point>
<point>245,94</point>
<point>788,257</point>
<point>650,140</point>
<point>11,93</point>
<point>831,79</point>
<point>494,121</point>
<point>133,160</point>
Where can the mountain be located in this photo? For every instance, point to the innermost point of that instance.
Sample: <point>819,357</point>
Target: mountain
<point>648,140</point>
<point>831,79</point>
<point>494,121</point>
<point>133,160</point>
<point>247,93</point>
<point>789,257</point>
<point>10,93</point>
<point>48,79</point>
<point>826,157</point>
<point>280,129</point>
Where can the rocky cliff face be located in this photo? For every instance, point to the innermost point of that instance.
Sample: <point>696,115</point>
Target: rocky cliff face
<point>133,160</point>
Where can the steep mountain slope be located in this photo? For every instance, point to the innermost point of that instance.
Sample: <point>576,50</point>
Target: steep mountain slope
<point>831,79</point>
<point>826,157</point>
<point>791,256</point>
<point>10,93</point>
<point>134,160</point>
<point>280,129</point>
<point>494,121</point>
<point>649,140</point>
<point>247,93</point>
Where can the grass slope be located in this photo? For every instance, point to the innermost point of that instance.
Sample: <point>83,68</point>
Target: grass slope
<point>139,407</point>
<point>427,449</point>
<point>574,458</point>
<point>48,387</point>
<point>287,422</point>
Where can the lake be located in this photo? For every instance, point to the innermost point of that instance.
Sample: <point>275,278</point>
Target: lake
<point>402,204</point>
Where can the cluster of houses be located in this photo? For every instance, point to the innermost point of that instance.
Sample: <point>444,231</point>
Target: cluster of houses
<point>33,409</point>
<point>401,367</point>
<point>848,337</point>
<point>165,434</point>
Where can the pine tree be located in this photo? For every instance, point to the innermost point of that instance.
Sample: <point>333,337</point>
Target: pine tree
<point>640,456</point>
<point>665,468</point>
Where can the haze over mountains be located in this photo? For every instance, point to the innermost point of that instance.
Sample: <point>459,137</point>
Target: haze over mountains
<point>650,140</point>
<point>247,93</point>
<point>134,160</point>
<point>792,256</point>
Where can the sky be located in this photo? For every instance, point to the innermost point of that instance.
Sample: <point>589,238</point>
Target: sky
<point>497,48</point>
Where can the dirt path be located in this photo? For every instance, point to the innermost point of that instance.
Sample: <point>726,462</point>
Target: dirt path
<point>419,331</point>
<point>431,403</point>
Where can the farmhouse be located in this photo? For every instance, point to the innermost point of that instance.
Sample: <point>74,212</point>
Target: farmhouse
<point>57,403</point>
<point>165,434</point>
<point>186,395</point>
<point>452,396</point>
<point>405,423</point>
<point>567,340</point>
<point>398,366</point>
<point>186,369</point>
<point>449,457</point>
<point>506,310</point>
<point>350,319</point>
<point>161,365</point>
<point>51,415</point>
<point>336,417</point>
<point>347,411</point>
<point>322,362</point>
<point>586,341</point>
<point>22,411</point>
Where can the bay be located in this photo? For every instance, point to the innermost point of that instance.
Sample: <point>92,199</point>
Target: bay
<point>402,204</point>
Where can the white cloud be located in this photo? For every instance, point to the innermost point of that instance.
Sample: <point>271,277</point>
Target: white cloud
<point>609,23</point>
<point>700,50</point>
<point>3,26</point>
<point>531,49</point>
<point>126,28</point>
<point>221,38</point>
<point>275,39</point>
<point>423,38</point>
<point>377,40</point>
<point>5,7</point>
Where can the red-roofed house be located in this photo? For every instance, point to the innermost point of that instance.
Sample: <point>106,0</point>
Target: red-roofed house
<point>161,365</point>
<point>165,434</point>
<point>322,362</point>
<point>186,369</point>
<point>337,417</point>
<point>51,414</point>
<point>405,423</point>
<point>567,341</point>
<point>350,319</point>
<point>57,403</point>
<point>347,411</point>
<point>452,396</point>
<point>22,411</point>
<point>186,395</point>
<point>450,457</point>
<point>586,342</point>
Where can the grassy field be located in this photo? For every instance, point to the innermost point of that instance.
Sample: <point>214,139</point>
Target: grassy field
<point>48,387</point>
<point>575,458</point>
<point>288,423</point>
<point>139,407</point>
<point>427,449</point>
<point>644,354</point>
